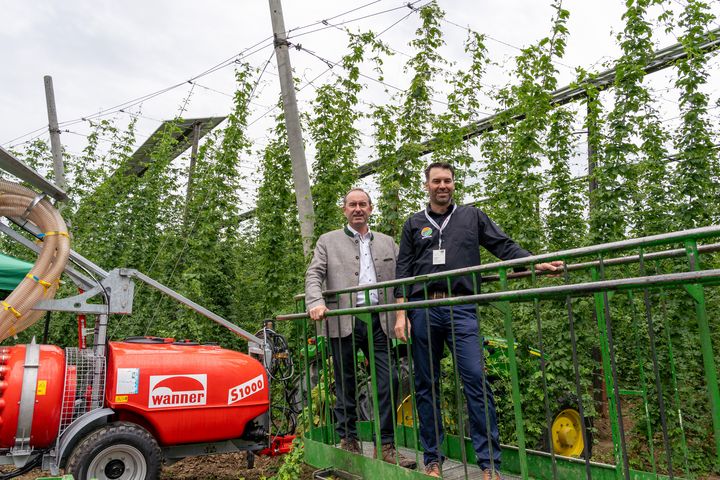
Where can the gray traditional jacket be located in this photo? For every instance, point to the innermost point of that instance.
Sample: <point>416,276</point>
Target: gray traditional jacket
<point>336,265</point>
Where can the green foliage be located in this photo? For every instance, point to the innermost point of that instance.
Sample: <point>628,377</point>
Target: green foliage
<point>277,275</point>
<point>37,155</point>
<point>449,129</point>
<point>400,177</point>
<point>564,221</point>
<point>209,233</point>
<point>393,173</point>
<point>142,216</point>
<point>335,134</point>
<point>652,210</point>
<point>514,152</point>
<point>697,174</point>
<point>292,466</point>
<point>617,197</point>
<point>593,123</point>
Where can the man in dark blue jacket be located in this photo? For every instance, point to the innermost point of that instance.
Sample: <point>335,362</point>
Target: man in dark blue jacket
<point>445,237</point>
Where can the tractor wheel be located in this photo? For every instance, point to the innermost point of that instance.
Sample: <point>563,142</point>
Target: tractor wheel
<point>118,451</point>
<point>403,400</point>
<point>404,414</point>
<point>566,433</point>
<point>299,395</point>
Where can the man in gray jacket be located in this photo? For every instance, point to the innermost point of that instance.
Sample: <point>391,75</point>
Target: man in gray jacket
<point>345,258</point>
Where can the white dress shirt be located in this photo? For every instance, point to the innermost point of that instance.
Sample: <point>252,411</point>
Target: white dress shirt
<point>367,266</point>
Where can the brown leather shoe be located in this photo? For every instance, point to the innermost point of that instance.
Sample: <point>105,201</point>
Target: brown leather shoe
<point>433,469</point>
<point>391,455</point>
<point>491,475</point>
<point>350,445</point>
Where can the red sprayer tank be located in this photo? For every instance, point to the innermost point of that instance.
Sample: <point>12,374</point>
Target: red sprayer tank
<point>184,392</point>
<point>48,394</point>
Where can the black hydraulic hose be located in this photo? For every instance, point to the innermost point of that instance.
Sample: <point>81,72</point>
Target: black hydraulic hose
<point>34,463</point>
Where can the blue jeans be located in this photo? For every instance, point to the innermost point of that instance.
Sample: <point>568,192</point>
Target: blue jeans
<point>431,329</point>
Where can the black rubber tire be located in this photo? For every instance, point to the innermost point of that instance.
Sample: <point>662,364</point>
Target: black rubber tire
<point>365,400</point>
<point>121,439</point>
<point>299,393</point>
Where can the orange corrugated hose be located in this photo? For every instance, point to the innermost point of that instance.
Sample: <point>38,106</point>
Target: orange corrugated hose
<point>44,278</point>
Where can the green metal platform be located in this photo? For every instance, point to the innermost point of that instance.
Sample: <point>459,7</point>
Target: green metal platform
<point>614,317</point>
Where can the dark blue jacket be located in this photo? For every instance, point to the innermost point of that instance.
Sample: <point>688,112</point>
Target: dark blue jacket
<point>468,229</point>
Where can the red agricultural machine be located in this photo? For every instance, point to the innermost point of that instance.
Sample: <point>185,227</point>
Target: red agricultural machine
<point>115,410</point>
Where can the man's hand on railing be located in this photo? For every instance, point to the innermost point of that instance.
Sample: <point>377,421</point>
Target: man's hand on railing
<point>402,326</point>
<point>553,266</point>
<point>318,313</point>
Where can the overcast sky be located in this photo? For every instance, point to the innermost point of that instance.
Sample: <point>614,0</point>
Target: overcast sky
<point>104,53</point>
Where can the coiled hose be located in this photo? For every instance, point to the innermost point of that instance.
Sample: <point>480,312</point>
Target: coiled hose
<point>42,282</point>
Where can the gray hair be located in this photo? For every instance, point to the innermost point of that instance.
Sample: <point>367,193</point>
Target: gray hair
<point>356,189</point>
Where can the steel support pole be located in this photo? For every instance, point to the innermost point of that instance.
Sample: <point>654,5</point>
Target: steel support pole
<point>294,132</point>
<point>55,145</point>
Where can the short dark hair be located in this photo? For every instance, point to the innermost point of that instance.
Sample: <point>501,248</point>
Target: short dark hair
<point>356,189</point>
<point>443,165</point>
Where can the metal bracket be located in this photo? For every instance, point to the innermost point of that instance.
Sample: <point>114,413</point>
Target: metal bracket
<point>22,446</point>
<point>120,290</point>
<point>502,307</point>
<point>280,42</point>
<point>695,291</point>
<point>38,198</point>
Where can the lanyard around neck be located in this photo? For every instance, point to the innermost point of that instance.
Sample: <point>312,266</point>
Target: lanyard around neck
<point>440,228</point>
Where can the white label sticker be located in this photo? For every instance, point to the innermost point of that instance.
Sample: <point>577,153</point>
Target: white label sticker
<point>128,381</point>
<point>244,390</point>
<point>177,390</point>
<point>439,257</point>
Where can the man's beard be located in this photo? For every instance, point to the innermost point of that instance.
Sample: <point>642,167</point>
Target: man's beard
<point>438,201</point>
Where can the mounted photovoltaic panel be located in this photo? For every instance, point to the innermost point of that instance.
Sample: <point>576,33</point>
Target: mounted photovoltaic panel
<point>18,169</point>
<point>182,131</point>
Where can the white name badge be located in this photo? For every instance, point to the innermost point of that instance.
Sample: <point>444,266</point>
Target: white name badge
<point>439,257</point>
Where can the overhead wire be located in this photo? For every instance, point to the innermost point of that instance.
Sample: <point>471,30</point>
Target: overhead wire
<point>123,110</point>
<point>104,139</point>
<point>381,82</point>
<point>332,64</point>
<point>145,98</point>
<point>245,53</point>
<point>30,140</point>
<point>357,19</point>
<point>225,94</point>
<point>311,82</point>
<point>318,22</point>
<point>502,42</point>
<point>41,129</point>
<point>138,115</point>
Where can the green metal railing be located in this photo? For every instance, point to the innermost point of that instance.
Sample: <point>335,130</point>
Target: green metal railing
<point>630,330</point>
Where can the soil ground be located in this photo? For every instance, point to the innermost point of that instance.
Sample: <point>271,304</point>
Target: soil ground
<point>231,466</point>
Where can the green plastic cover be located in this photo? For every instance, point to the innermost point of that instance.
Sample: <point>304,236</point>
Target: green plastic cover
<point>12,271</point>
